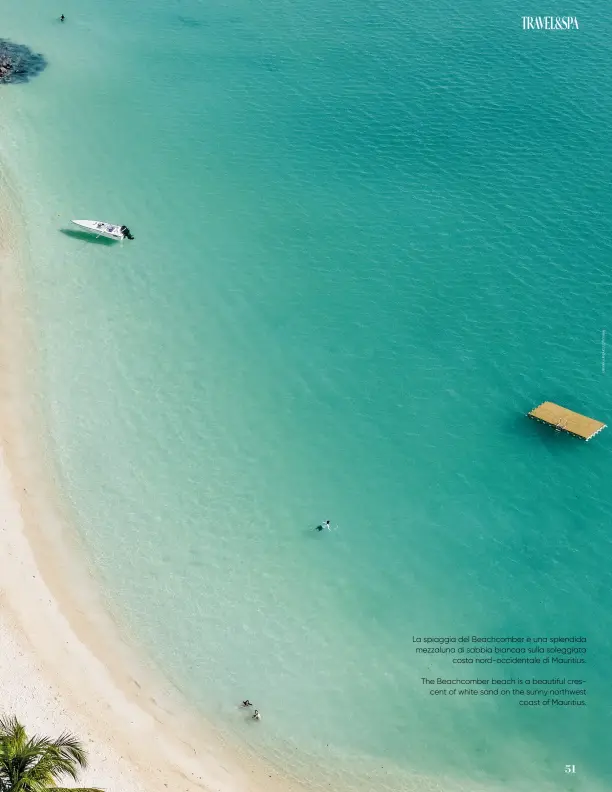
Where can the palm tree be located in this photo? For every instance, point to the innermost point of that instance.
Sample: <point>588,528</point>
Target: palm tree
<point>36,764</point>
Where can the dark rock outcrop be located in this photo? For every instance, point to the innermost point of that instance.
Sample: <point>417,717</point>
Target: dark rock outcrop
<point>18,63</point>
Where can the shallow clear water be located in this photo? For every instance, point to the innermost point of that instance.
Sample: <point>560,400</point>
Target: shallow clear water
<point>368,240</point>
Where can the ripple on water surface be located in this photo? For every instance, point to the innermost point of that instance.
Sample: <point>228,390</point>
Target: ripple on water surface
<point>357,265</point>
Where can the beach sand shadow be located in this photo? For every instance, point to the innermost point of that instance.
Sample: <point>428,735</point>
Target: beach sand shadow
<point>83,236</point>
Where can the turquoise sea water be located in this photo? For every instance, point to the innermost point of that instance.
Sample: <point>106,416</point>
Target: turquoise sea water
<point>369,238</point>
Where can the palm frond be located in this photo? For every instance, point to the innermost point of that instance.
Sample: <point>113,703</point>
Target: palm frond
<point>50,767</point>
<point>36,764</point>
<point>12,730</point>
<point>70,748</point>
<point>76,789</point>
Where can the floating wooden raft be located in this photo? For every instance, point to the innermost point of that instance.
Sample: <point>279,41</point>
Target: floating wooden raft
<point>564,420</point>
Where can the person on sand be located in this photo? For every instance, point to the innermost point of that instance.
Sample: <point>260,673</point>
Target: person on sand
<point>246,703</point>
<point>256,715</point>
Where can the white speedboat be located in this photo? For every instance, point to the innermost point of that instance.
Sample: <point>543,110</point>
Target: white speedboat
<point>105,229</point>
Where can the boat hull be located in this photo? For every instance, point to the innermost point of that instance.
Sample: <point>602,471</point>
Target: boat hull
<point>108,230</point>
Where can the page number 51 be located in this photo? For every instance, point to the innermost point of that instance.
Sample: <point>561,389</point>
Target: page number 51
<point>570,768</point>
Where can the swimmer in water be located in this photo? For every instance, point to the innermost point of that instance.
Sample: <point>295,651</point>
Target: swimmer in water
<point>325,525</point>
<point>246,703</point>
<point>62,18</point>
<point>256,715</point>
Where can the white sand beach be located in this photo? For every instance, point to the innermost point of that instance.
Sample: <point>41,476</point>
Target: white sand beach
<point>64,664</point>
<point>52,682</point>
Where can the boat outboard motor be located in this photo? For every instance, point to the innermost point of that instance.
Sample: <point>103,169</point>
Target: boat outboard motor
<point>126,232</point>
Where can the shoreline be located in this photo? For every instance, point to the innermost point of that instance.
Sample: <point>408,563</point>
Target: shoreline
<point>64,654</point>
<point>66,664</point>
<point>66,645</point>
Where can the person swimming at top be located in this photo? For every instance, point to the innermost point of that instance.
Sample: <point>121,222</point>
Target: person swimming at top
<point>246,703</point>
